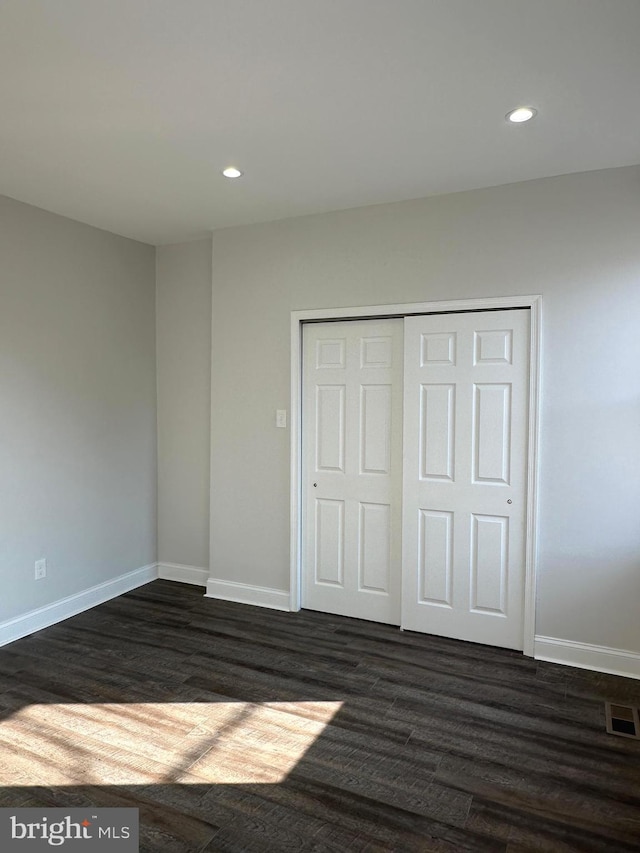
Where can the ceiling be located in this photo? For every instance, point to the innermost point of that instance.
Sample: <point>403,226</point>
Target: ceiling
<point>121,113</point>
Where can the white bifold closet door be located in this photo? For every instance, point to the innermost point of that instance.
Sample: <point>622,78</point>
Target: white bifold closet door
<point>434,542</point>
<point>352,468</point>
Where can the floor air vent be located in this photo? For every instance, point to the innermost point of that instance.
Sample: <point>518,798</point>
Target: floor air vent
<point>622,720</point>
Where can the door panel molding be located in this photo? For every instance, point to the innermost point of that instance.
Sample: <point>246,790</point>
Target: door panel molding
<point>490,349</point>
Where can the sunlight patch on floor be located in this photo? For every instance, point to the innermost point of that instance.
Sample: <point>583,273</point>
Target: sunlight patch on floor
<point>158,742</point>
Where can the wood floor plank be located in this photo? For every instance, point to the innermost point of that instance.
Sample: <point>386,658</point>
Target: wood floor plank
<point>235,728</point>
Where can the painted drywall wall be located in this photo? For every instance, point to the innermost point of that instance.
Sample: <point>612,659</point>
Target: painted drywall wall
<point>575,240</point>
<point>183,286</point>
<point>77,407</point>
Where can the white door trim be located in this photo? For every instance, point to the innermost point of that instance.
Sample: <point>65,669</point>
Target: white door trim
<point>534,303</point>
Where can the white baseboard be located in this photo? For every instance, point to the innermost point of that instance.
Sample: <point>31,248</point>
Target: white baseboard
<point>183,574</point>
<point>585,656</point>
<point>275,599</point>
<point>50,614</point>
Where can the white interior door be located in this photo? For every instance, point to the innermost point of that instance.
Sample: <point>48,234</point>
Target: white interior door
<point>352,468</point>
<point>466,381</point>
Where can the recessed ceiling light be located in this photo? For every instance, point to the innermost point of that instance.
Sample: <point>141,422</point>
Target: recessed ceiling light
<point>521,114</point>
<point>232,172</point>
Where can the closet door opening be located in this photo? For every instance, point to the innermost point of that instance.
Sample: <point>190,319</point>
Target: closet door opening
<point>417,471</point>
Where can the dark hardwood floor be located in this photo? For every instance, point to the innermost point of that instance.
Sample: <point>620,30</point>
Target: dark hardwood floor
<point>234,728</point>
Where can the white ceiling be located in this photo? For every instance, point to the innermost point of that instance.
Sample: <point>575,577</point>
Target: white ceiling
<point>120,113</point>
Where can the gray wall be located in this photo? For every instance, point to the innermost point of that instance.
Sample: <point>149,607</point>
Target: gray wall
<point>576,240</point>
<point>77,406</point>
<point>183,282</point>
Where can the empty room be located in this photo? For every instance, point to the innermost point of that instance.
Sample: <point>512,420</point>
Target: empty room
<point>320,426</point>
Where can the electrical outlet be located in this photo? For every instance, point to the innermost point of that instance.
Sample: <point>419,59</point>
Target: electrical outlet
<point>281,418</point>
<point>41,569</point>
